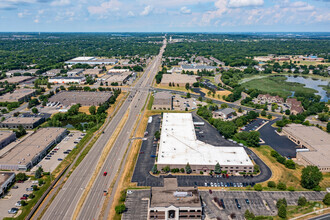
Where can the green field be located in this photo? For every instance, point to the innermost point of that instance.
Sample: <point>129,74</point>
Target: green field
<point>278,85</point>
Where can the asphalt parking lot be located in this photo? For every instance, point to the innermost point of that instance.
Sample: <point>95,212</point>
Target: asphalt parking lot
<point>137,205</point>
<point>260,203</point>
<point>281,144</point>
<point>253,125</point>
<point>12,196</point>
<point>49,165</point>
<point>145,162</point>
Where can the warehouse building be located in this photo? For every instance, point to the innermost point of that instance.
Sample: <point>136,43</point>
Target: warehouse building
<point>178,79</point>
<point>179,146</point>
<point>119,78</point>
<point>74,72</point>
<point>65,80</point>
<point>173,202</point>
<point>195,68</point>
<point>314,145</point>
<point>6,180</point>
<point>163,101</point>
<point>25,122</point>
<point>52,72</point>
<point>92,72</point>
<point>30,151</point>
<point>6,137</point>
<point>92,61</point>
<point>83,98</point>
<point>16,79</point>
<point>19,95</point>
<point>12,72</point>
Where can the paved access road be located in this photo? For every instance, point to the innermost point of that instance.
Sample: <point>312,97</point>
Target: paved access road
<point>93,203</point>
<point>65,203</point>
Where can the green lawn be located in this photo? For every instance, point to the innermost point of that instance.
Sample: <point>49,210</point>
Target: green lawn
<point>278,85</point>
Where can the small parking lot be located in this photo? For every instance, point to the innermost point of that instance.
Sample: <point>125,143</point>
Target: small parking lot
<point>254,124</point>
<point>260,203</point>
<point>137,205</point>
<point>49,164</point>
<point>12,197</point>
<point>146,160</point>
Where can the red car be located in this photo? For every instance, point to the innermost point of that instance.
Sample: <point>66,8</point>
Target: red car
<point>23,198</point>
<point>105,173</point>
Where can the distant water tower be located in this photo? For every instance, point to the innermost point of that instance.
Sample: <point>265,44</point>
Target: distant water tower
<point>171,39</point>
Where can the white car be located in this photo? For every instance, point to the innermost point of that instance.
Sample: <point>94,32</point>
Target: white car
<point>18,204</point>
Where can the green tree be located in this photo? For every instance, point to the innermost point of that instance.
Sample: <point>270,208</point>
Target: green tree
<point>92,110</point>
<point>217,168</point>
<point>188,169</point>
<point>21,177</point>
<point>328,127</point>
<point>281,186</point>
<point>187,86</point>
<point>311,177</point>
<point>154,169</point>
<point>282,211</point>
<point>263,113</point>
<point>249,215</point>
<point>257,187</point>
<point>120,208</point>
<point>35,188</point>
<point>302,201</point>
<point>240,110</point>
<point>166,169</point>
<point>188,95</point>
<point>253,139</point>
<point>256,168</point>
<point>23,203</point>
<point>224,105</point>
<point>35,111</point>
<point>269,116</point>
<point>290,164</point>
<point>326,199</point>
<point>271,184</point>
<point>281,202</point>
<point>37,174</point>
<point>157,135</point>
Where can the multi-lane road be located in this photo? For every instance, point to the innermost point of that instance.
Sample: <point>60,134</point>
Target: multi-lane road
<point>65,203</point>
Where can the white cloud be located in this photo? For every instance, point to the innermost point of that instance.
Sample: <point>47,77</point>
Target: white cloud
<point>185,10</point>
<point>146,10</point>
<point>244,3</point>
<point>12,4</point>
<point>221,6</point>
<point>60,2</point>
<point>130,14</point>
<point>36,20</point>
<point>105,7</point>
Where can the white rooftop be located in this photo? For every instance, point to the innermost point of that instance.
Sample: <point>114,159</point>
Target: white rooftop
<point>84,58</point>
<point>179,145</point>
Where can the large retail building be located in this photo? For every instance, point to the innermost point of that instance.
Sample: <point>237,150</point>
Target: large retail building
<point>179,146</point>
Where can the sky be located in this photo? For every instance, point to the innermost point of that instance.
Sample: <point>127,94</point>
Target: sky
<point>164,15</point>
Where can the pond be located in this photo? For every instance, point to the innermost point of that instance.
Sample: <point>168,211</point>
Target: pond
<point>313,84</point>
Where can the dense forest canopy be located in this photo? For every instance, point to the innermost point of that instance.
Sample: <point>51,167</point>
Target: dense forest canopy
<point>234,49</point>
<point>18,50</point>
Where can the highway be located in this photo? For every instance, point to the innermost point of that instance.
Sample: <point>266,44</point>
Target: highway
<point>64,204</point>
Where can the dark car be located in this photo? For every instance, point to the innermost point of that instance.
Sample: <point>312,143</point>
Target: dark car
<point>13,211</point>
<point>247,201</point>
<point>15,187</point>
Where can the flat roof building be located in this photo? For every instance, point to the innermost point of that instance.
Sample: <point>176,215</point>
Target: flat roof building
<point>52,72</point>
<point>18,95</point>
<point>6,179</point>
<point>173,202</point>
<point>64,80</point>
<point>163,100</point>
<point>16,79</point>
<point>224,113</point>
<point>74,72</point>
<point>92,61</point>
<point>92,72</point>
<point>31,150</point>
<point>84,98</point>
<point>315,145</point>
<point>6,137</point>
<point>12,72</point>
<point>25,122</point>
<point>120,77</point>
<point>180,79</point>
<point>179,146</point>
